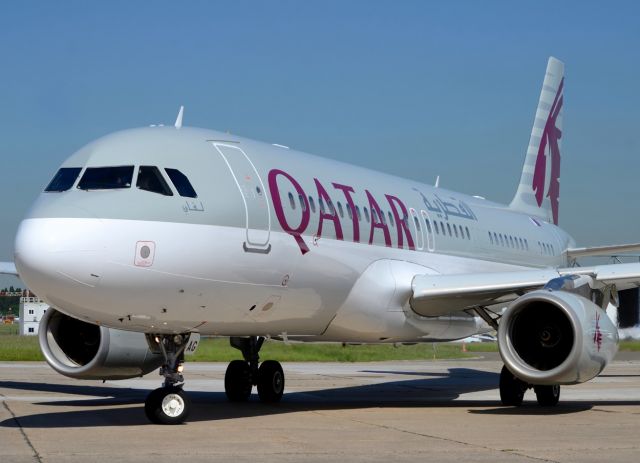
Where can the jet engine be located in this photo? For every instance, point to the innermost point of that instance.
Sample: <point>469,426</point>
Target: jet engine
<point>83,350</point>
<point>556,337</point>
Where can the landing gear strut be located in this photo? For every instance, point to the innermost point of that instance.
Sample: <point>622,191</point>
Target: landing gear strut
<point>242,375</point>
<point>512,391</point>
<point>169,404</point>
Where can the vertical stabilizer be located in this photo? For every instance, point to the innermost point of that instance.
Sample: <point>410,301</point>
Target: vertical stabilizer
<point>539,189</point>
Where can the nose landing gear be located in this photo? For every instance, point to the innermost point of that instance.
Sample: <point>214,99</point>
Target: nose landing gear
<point>169,404</point>
<point>242,375</point>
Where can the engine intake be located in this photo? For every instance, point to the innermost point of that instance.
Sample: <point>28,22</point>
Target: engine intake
<point>83,350</point>
<point>556,337</point>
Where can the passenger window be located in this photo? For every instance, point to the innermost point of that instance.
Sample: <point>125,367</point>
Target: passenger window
<point>417,222</point>
<point>490,238</point>
<point>426,222</point>
<point>349,212</point>
<point>303,206</point>
<point>150,179</point>
<point>292,202</point>
<point>332,209</point>
<point>390,218</point>
<point>312,204</point>
<point>455,229</point>
<point>358,213</point>
<point>64,179</point>
<point>106,178</point>
<point>182,183</point>
<point>468,234</point>
<point>340,210</point>
<point>449,228</point>
<point>321,203</point>
<point>366,214</point>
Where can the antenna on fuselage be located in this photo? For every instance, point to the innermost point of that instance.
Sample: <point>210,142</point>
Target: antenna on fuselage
<point>437,181</point>
<point>178,123</point>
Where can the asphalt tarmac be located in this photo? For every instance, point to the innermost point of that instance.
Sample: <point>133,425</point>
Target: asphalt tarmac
<point>444,411</point>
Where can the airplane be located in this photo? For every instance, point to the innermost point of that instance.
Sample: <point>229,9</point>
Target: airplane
<point>147,239</point>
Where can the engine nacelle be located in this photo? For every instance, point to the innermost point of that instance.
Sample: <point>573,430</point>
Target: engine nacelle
<point>556,337</point>
<point>82,350</point>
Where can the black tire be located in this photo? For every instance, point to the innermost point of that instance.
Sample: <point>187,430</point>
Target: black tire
<point>512,389</point>
<point>270,381</point>
<point>548,396</point>
<point>237,381</point>
<point>167,405</point>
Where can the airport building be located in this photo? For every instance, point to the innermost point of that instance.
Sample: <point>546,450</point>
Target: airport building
<point>32,309</point>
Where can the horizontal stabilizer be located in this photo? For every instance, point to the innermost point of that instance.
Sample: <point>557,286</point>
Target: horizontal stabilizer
<point>603,250</point>
<point>8,268</point>
<point>437,295</point>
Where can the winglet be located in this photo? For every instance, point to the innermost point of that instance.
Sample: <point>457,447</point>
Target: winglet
<point>178,123</point>
<point>8,268</point>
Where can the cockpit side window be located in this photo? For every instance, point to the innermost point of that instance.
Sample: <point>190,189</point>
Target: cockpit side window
<point>150,179</point>
<point>106,178</point>
<point>64,179</point>
<point>182,183</point>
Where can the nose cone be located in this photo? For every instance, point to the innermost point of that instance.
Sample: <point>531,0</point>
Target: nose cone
<point>59,255</point>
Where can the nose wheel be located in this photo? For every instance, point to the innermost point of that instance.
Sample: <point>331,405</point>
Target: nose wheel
<point>242,375</point>
<point>167,405</point>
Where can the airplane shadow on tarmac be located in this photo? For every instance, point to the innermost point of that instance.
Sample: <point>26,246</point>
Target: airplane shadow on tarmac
<point>124,407</point>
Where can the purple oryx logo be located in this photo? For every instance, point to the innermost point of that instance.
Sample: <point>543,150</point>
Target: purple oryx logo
<point>550,136</point>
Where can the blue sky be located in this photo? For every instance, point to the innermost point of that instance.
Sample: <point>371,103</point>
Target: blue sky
<point>417,89</point>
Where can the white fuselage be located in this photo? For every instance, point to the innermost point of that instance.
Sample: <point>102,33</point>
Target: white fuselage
<point>253,255</point>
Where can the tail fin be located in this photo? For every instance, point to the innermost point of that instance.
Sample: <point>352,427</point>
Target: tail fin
<point>539,189</point>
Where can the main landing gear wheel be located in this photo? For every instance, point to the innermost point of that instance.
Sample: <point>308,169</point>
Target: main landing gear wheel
<point>548,396</point>
<point>512,389</point>
<point>237,381</point>
<point>270,381</point>
<point>242,375</point>
<point>167,405</point>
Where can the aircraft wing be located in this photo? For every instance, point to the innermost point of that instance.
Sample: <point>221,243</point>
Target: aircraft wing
<point>434,295</point>
<point>8,268</point>
<point>603,250</point>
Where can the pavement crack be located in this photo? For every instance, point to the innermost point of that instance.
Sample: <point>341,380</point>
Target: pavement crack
<point>36,455</point>
<point>448,439</point>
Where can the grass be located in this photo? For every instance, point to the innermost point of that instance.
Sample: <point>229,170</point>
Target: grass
<point>218,350</point>
<point>26,348</point>
<point>18,348</point>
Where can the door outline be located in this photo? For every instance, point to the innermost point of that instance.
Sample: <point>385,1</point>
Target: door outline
<point>431,246</point>
<point>418,229</point>
<point>252,244</point>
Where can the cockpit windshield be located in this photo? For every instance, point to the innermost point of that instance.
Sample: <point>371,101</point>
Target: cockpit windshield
<point>64,179</point>
<point>150,179</point>
<point>106,178</point>
<point>182,183</point>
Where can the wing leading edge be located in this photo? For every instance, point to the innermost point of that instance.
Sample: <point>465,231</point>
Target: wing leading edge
<point>436,295</point>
